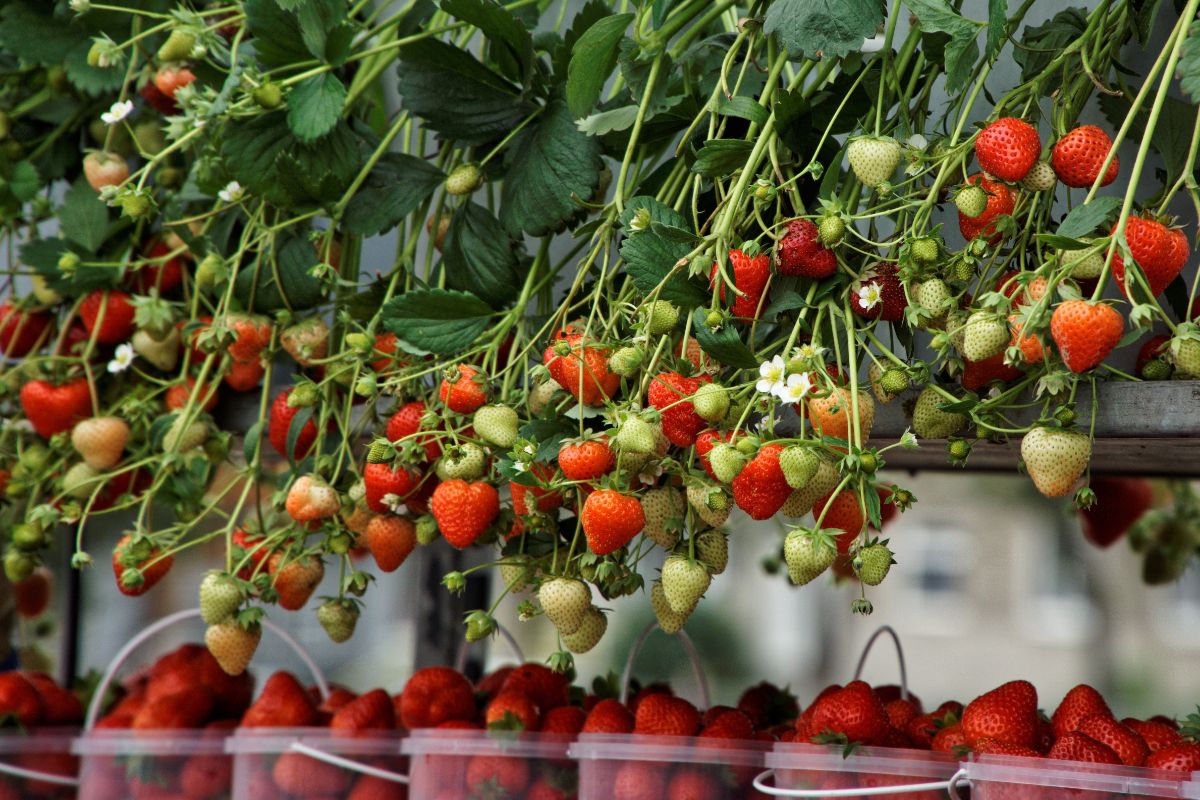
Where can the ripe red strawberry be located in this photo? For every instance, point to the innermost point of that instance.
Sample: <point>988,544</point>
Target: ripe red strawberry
<point>388,486</point>
<point>244,376</point>
<point>435,695</point>
<point>1078,156</point>
<point>760,489</point>
<point>665,715</point>
<point>853,711</point>
<point>1007,713</point>
<point>1077,746</point>
<point>900,712</point>
<point>668,392</point>
<point>506,776</point>
<point>993,747</point>
<point>179,394</point>
<point>406,422</point>
<point>1159,251</point>
<point>20,699</point>
<point>801,253</point>
<point>547,500</point>
<point>141,555</point>
<point>750,276</point>
<point>1008,148</point>
<point>1179,757</point>
<point>1085,332</point>
<point>585,460</point>
<point>53,409</point>
<point>297,774</point>
<point>949,739</point>
<point>161,273</point>
<point>881,290</point>
<point>1154,348</point>
<point>581,369</point>
<point>512,711</point>
<point>767,705</point>
<point>464,510</point>
<point>206,775</point>
<point>610,520</point>
<point>294,580</point>
<point>844,514</point>
<point>21,329</point>
<point>564,720</point>
<point>283,703</point>
<point>547,688</point>
<point>372,711</point>
<point>390,540</point>
<point>279,424</point>
<point>977,374</point>
<point>464,391</point>
<point>1000,202</point>
<point>1120,502</point>
<point>922,729</point>
<point>1081,702</point>
<point>108,316</point>
<point>608,716</point>
<point>1125,742</point>
<point>1156,735</point>
<point>694,783</point>
<point>640,780</point>
<point>32,595</point>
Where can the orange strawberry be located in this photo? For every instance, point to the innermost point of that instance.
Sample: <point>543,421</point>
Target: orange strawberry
<point>464,510</point>
<point>138,565</point>
<point>1085,332</point>
<point>296,579</point>
<point>585,460</point>
<point>611,520</point>
<point>179,394</point>
<point>311,499</point>
<point>252,335</point>
<point>390,539</point>
<point>830,415</point>
<point>244,376</point>
<point>581,368</point>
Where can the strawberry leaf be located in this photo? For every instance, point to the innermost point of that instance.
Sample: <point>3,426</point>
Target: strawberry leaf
<point>396,186</point>
<point>723,344</point>
<point>1189,62</point>
<point>592,60</point>
<point>83,218</point>
<point>721,157</point>
<point>437,320</point>
<point>1084,219</point>
<point>997,27</point>
<point>961,51</point>
<point>512,45</point>
<point>479,256</point>
<point>315,106</point>
<point>831,28</point>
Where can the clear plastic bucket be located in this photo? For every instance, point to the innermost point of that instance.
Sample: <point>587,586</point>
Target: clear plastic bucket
<point>809,770</point>
<point>1010,778</point>
<point>289,764</point>
<point>38,764</point>
<point>466,763</point>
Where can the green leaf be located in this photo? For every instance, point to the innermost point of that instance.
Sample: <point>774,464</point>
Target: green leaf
<point>437,320</point>
<point>997,27</point>
<point>721,157</point>
<point>1088,217</point>
<point>479,256</point>
<point>659,212</point>
<point>549,170</point>
<point>1041,43</point>
<point>962,51</point>
<point>650,257</point>
<point>31,32</point>
<point>592,61</point>
<point>606,122</point>
<point>743,108</point>
<point>90,80</point>
<point>315,106</point>
<point>724,344</point>
<point>1172,136</point>
<point>831,28</point>
<point>24,182</point>
<point>1189,62</point>
<point>396,186</point>
<point>280,278</point>
<point>459,97</point>
<point>83,217</point>
<point>1144,21</point>
<point>295,429</point>
<point>276,33</point>
<point>592,12</point>
<point>317,20</point>
<point>512,45</point>
<point>1062,242</point>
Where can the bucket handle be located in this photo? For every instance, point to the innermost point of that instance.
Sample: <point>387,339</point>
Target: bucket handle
<point>346,763</point>
<point>862,659</point>
<point>959,777</point>
<point>688,646</point>
<point>912,788</point>
<point>168,621</point>
<point>460,660</point>
<point>35,775</point>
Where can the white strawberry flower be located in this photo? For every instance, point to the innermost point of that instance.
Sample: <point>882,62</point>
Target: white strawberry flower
<point>650,475</point>
<point>122,358</point>
<point>798,385</point>
<point>520,466</point>
<point>771,375</point>
<point>117,112</point>
<point>232,192</point>
<point>395,503</point>
<point>917,142</point>
<point>870,295</point>
<point>808,352</point>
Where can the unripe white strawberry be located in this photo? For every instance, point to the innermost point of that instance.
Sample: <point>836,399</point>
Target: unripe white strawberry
<point>100,441</point>
<point>464,461</point>
<point>464,179</point>
<point>1082,264</point>
<point>589,634</point>
<point>971,200</point>
<point>872,563</point>
<point>636,435</point>
<point>799,465</point>
<point>1055,458</point>
<point>726,461</point>
<point>684,582</point>
<point>162,352</point>
<point>1185,355</point>
<point>808,554</point>
<point>801,501</point>
<point>565,603</point>
<point>181,437</point>
<point>232,645</point>
<point>710,503</point>
<point>934,296</point>
<point>80,481</point>
<point>219,597</point>
<point>712,549</point>
<point>661,317</point>
<point>496,425</point>
<point>1040,178</point>
<point>664,509</point>
<point>984,335</point>
<point>711,402</point>
<point>668,620</point>
<point>873,159</point>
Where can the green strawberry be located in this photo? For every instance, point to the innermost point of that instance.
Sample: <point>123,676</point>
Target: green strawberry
<point>799,465</point>
<point>338,618</point>
<point>80,481</point>
<point>801,501</point>
<point>219,597</point>
<point>934,296</point>
<point>808,553</point>
<point>872,563</point>
<point>930,422</point>
<point>873,159</point>
<point>984,335</point>
<point>465,461</point>
<point>1082,265</point>
<point>515,572</point>
<point>1055,458</point>
<point>925,250</point>
<point>636,435</point>
<point>463,180</point>
<point>684,582</point>
<point>180,438</point>
<point>496,425</point>
<point>831,229</point>
<point>565,603</point>
<point>726,461</point>
<point>664,508</point>
<point>268,96</point>
<point>161,352</point>
<point>589,633</point>
<point>712,549</point>
<point>711,402</point>
<point>710,502</point>
<point>625,361</point>
<point>427,529</point>
<point>178,46</point>
<point>668,620</point>
<point>1185,354</point>
<point>1156,369</point>
<point>1040,178</point>
<point>971,201</point>
<point>661,317</point>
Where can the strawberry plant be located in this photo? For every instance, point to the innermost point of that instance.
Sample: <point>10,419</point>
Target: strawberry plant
<point>654,265</point>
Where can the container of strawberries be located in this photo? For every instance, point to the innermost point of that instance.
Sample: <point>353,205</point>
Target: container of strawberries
<point>35,755</point>
<point>992,777</point>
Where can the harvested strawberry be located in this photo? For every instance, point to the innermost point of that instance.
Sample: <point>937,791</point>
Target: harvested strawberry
<point>372,711</point>
<point>608,716</point>
<point>1122,740</point>
<point>664,715</point>
<point>852,711</point>
<point>436,695</point>
<point>1077,746</point>
<point>1006,714</point>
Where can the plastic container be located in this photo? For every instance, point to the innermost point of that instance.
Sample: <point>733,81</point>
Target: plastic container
<point>1010,778</point>
<point>809,770</point>
<point>287,764</point>
<point>466,763</point>
<point>160,764</point>
<point>38,764</point>
<point>667,766</point>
